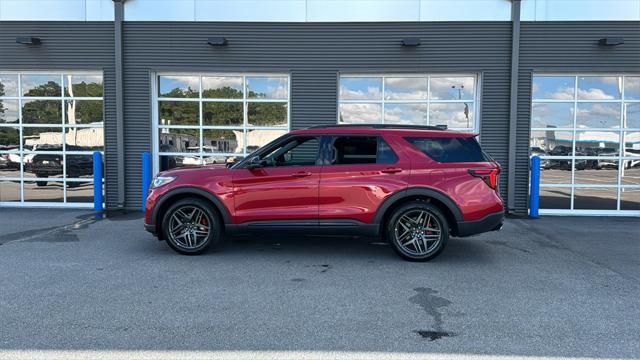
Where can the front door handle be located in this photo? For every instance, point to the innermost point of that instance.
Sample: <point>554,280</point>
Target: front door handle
<point>301,174</point>
<point>391,170</point>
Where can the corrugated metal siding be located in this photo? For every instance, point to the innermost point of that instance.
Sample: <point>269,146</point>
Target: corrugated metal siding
<point>314,55</point>
<point>69,46</point>
<point>566,47</point>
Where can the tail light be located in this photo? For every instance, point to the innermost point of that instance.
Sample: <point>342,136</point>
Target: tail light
<point>489,176</point>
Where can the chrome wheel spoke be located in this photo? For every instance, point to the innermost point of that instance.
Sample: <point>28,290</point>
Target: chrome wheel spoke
<point>418,232</point>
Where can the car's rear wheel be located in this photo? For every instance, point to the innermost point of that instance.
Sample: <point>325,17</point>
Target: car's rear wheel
<point>191,226</point>
<point>418,231</point>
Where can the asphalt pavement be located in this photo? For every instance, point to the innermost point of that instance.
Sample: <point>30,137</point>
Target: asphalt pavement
<point>72,286</point>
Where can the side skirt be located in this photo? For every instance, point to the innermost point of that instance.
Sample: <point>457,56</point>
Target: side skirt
<point>322,227</point>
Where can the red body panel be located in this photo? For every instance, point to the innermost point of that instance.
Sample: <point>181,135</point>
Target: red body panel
<point>353,192</point>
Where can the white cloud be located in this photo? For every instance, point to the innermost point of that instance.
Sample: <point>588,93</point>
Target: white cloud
<point>360,113</point>
<point>372,93</point>
<point>593,94</point>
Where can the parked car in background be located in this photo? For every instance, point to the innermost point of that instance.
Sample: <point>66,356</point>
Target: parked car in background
<point>544,163</point>
<point>414,186</point>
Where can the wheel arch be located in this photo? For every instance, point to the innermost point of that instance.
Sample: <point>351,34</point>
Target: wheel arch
<point>449,208</point>
<point>184,192</point>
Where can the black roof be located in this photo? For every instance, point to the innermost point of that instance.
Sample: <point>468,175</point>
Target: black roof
<point>384,126</point>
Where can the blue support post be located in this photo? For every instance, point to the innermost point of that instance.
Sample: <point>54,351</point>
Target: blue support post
<point>534,193</point>
<point>97,182</point>
<point>146,177</point>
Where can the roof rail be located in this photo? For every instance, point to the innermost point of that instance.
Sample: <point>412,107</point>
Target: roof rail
<point>384,126</point>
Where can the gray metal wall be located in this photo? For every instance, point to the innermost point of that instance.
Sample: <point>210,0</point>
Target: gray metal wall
<point>314,54</point>
<point>566,47</point>
<point>68,46</point>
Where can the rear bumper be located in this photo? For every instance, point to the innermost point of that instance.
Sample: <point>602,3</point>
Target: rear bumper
<point>491,222</point>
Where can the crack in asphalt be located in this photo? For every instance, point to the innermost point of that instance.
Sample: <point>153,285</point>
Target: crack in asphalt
<point>431,304</point>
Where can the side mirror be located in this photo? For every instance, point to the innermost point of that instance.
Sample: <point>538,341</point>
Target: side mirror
<point>255,163</point>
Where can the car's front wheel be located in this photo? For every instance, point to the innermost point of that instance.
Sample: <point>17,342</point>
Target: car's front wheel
<point>418,231</point>
<point>191,226</point>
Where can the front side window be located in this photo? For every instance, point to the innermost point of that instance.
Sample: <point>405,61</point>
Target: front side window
<point>361,150</point>
<point>50,125</point>
<point>213,118</point>
<point>409,100</point>
<point>299,151</point>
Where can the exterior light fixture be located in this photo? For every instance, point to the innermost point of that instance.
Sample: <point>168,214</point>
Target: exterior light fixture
<point>411,42</point>
<point>611,41</point>
<point>217,41</point>
<point>28,40</point>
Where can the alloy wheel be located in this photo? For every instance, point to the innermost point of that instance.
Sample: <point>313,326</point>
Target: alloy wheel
<point>189,227</point>
<point>418,232</point>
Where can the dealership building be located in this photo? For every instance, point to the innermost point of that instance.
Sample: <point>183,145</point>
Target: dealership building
<point>204,81</point>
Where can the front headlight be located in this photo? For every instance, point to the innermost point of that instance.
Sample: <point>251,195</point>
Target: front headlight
<point>161,180</point>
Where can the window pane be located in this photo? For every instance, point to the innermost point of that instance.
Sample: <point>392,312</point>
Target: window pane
<point>179,140</point>
<point>360,88</point>
<point>405,88</point>
<point>39,138</point>
<point>179,113</point>
<point>83,85</point>
<point>179,86</point>
<point>598,115</point>
<point>8,85</point>
<point>386,155</point>
<point>415,114</point>
<point>452,88</point>
<point>552,115</point>
<point>8,111</point>
<point>267,114</point>
<point>454,115</point>
<point>555,198</point>
<point>554,87</point>
<point>258,138</point>
<point>43,191</point>
<point>632,115</point>
<point>599,87</point>
<point>10,164</point>
<point>596,171</point>
<point>44,165</point>
<point>9,190</point>
<point>84,112</point>
<point>222,141</point>
<point>168,162</point>
<point>222,113</point>
<point>262,87</point>
<point>300,151</point>
<point>9,138</point>
<point>42,112</point>
<point>555,171</point>
<point>595,199</point>
<point>222,87</point>
<point>629,199</point>
<point>601,143</point>
<point>551,142</point>
<point>631,87</point>
<point>79,166</point>
<point>360,113</point>
<point>79,192</point>
<point>84,139</point>
<point>41,85</point>
<point>631,172</point>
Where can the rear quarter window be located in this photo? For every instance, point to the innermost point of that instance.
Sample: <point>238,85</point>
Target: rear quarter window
<point>450,149</point>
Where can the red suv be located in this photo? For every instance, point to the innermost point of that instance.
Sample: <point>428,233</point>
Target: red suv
<point>412,185</point>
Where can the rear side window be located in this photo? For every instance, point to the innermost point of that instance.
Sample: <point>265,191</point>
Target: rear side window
<point>450,150</point>
<point>361,150</point>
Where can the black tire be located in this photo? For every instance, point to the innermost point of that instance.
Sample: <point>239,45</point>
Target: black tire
<point>215,228</point>
<point>437,217</point>
<point>42,183</point>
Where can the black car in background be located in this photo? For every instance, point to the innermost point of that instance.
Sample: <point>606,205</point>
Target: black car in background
<point>45,165</point>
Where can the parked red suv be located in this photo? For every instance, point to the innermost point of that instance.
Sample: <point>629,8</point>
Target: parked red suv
<point>412,185</point>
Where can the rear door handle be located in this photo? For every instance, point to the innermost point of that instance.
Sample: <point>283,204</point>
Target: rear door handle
<point>301,174</point>
<point>391,170</point>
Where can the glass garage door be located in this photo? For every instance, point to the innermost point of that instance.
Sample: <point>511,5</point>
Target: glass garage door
<point>586,130</point>
<point>214,118</point>
<point>50,125</point>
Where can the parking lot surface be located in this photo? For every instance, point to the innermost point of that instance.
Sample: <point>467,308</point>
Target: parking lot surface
<point>555,287</point>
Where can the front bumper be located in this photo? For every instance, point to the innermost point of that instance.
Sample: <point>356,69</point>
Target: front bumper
<point>491,222</point>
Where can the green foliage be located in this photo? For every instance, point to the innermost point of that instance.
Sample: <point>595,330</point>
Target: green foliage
<point>51,88</point>
<point>9,137</point>
<point>222,93</point>
<point>83,89</point>
<point>86,111</point>
<point>42,112</point>
<point>179,112</point>
<point>222,113</point>
<point>267,114</point>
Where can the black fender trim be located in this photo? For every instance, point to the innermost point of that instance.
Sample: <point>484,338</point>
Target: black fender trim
<point>226,217</point>
<point>419,191</point>
<point>491,222</point>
